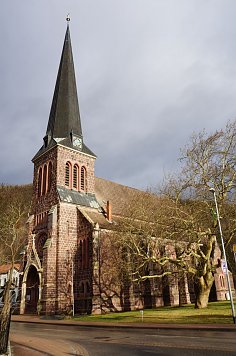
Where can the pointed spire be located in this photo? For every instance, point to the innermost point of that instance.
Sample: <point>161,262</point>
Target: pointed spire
<point>64,126</point>
<point>64,118</point>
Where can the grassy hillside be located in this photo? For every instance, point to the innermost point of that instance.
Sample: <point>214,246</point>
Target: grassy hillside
<point>15,193</point>
<point>15,203</point>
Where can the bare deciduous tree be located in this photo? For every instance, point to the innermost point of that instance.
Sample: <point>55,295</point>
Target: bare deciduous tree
<point>183,215</point>
<point>12,240</point>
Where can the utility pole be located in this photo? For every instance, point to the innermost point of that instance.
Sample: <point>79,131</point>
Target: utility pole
<point>212,190</point>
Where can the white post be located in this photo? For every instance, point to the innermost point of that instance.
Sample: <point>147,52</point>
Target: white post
<point>72,289</point>
<point>224,255</point>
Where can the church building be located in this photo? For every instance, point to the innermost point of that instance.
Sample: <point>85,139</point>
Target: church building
<point>73,212</point>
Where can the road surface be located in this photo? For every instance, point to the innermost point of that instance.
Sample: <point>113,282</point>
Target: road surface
<point>38,339</point>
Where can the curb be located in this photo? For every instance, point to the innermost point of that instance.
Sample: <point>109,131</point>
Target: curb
<point>197,327</point>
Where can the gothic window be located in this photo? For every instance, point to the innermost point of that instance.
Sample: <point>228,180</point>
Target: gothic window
<point>44,179</point>
<point>222,281</point>
<point>44,187</point>
<point>39,245</point>
<point>75,176</point>
<point>49,176</point>
<point>40,182</point>
<point>68,175</point>
<point>83,179</point>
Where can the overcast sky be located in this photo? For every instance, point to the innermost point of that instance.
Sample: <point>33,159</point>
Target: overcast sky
<point>149,74</point>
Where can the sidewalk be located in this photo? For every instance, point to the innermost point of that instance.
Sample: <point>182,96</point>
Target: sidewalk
<point>68,322</point>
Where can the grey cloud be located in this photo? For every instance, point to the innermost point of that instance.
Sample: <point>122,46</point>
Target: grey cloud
<point>149,73</point>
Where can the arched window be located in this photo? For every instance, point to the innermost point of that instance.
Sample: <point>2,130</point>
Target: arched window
<point>75,176</point>
<point>68,175</point>
<point>40,182</point>
<point>40,242</point>
<point>83,179</point>
<point>44,179</point>
<point>49,176</point>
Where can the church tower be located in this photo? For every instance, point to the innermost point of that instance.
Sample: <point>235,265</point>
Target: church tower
<point>58,261</point>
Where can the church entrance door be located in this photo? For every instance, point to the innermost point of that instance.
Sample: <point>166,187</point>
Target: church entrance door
<point>32,291</point>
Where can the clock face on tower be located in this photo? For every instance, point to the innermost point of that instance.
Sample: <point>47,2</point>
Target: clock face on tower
<point>77,142</point>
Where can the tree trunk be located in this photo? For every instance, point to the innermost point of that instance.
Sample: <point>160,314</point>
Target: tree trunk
<point>203,290</point>
<point>5,315</point>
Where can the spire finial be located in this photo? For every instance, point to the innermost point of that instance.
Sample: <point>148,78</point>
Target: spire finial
<point>68,19</point>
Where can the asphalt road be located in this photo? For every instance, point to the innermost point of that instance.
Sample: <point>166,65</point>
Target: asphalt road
<point>37,339</point>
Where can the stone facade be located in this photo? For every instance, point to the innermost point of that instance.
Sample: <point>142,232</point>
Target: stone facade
<point>60,240</point>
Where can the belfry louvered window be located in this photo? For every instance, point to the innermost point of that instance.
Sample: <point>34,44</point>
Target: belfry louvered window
<point>68,174</point>
<point>83,178</point>
<point>39,182</point>
<point>75,176</point>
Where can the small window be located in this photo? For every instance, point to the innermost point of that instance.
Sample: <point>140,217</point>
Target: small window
<point>75,176</point>
<point>83,178</point>
<point>68,174</point>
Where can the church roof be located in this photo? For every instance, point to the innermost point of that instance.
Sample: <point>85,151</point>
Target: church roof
<point>64,142</point>
<point>64,115</point>
<point>95,216</point>
<point>64,120</point>
<point>119,195</point>
<point>95,205</point>
<point>78,198</point>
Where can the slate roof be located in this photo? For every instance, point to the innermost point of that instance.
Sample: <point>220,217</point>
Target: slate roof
<point>94,205</point>
<point>119,195</point>
<point>64,142</point>
<point>96,216</point>
<point>64,119</point>
<point>64,115</point>
<point>78,198</point>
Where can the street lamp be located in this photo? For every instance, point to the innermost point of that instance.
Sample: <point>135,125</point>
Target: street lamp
<point>212,190</point>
